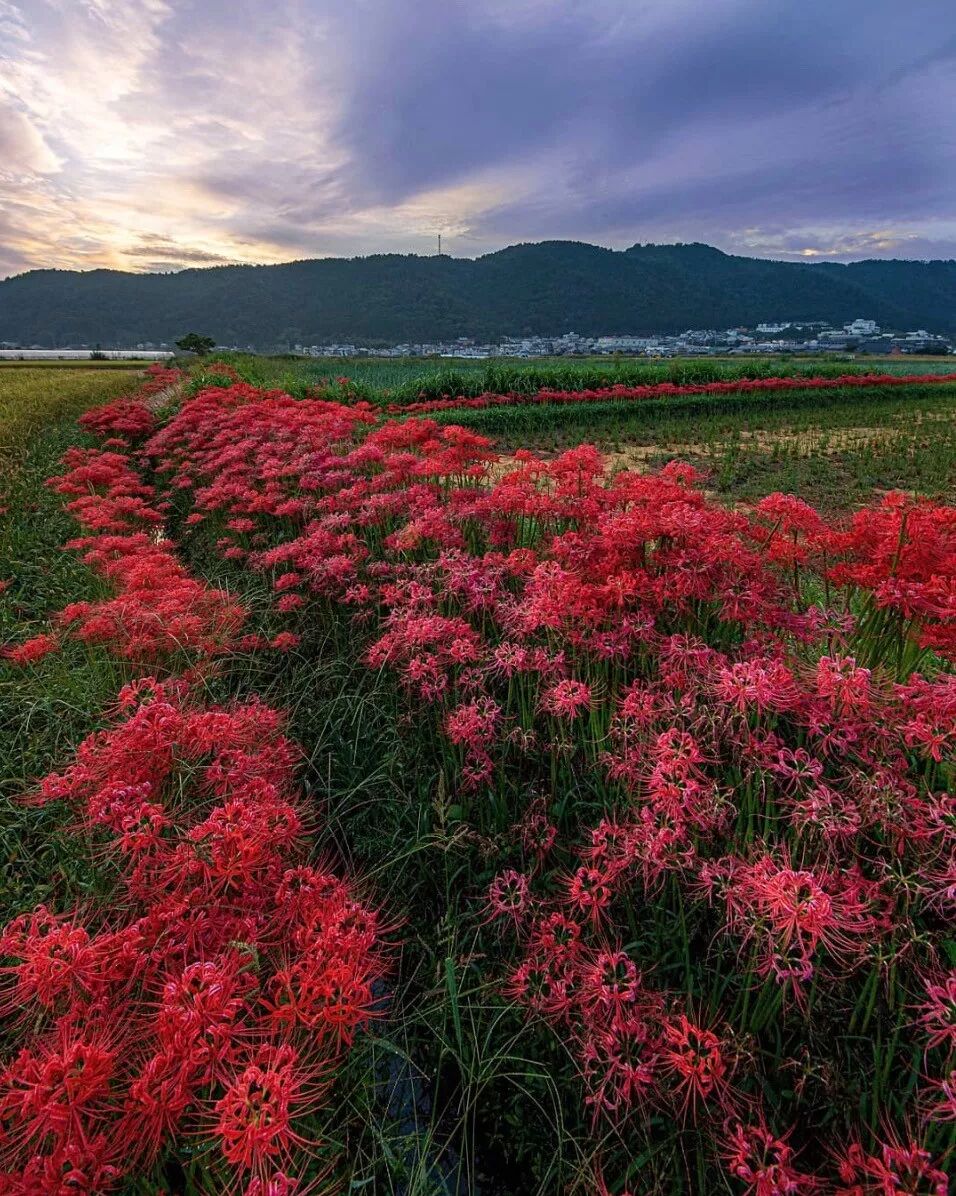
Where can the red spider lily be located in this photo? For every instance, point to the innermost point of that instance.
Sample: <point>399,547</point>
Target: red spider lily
<point>217,918</point>
<point>60,1090</point>
<point>941,1105</point>
<point>764,1162</point>
<point>545,984</point>
<point>650,662</point>
<point>929,711</point>
<point>669,389</point>
<point>131,418</point>
<point>790,514</point>
<point>621,1062</point>
<point>277,1184</point>
<point>938,1016</point>
<point>536,831</point>
<point>589,891</point>
<point>567,698</point>
<point>474,727</point>
<point>32,650</point>
<point>67,1170</point>
<point>161,1096</point>
<point>843,683</point>
<point>159,610</point>
<point>897,1169</point>
<point>60,964</point>
<point>254,1117</point>
<point>697,1060</point>
<point>612,983</point>
<point>557,935</point>
<point>331,996</point>
<point>508,896</point>
<point>756,685</point>
<point>791,912</point>
<point>200,1007</point>
<point>903,552</point>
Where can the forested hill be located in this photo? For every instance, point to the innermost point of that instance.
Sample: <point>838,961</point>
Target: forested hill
<point>551,287</point>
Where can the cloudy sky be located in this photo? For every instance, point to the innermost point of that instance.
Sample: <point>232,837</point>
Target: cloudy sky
<point>155,134</point>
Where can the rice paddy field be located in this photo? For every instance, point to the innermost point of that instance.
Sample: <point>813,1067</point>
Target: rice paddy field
<point>406,380</point>
<point>834,451</point>
<point>32,397</point>
<point>533,781</point>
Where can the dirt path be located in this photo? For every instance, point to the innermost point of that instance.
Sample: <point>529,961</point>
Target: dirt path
<point>162,397</point>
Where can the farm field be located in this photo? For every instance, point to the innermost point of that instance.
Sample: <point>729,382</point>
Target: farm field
<point>834,450</point>
<point>406,380</point>
<point>530,798</point>
<point>32,397</point>
<point>915,364</point>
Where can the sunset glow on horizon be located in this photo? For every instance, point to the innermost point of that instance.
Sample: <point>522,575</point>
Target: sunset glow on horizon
<point>161,134</point>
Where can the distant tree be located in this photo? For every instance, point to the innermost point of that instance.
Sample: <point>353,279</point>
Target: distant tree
<point>192,342</point>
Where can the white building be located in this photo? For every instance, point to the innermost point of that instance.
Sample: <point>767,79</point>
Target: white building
<point>621,344</point>
<point>862,328</point>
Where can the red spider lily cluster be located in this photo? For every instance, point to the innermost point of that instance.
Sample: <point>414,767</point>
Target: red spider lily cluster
<point>158,613</point>
<point>663,390</point>
<point>31,650</point>
<point>204,1002</point>
<point>714,749</point>
<point>774,765</point>
<point>132,419</point>
<point>219,984</point>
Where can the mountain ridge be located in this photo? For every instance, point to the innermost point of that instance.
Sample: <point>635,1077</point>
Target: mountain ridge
<point>545,287</point>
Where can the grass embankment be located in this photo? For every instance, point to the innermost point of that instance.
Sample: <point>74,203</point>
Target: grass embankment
<point>46,707</point>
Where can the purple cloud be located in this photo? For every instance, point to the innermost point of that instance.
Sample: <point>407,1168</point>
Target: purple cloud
<point>234,130</point>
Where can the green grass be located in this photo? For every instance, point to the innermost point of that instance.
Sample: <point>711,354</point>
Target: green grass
<point>907,364</point>
<point>48,707</point>
<point>407,380</point>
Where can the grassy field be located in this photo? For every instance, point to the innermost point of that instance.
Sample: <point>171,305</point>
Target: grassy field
<point>31,398</point>
<point>46,709</point>
<point>407,380</point>
<point>914,364</point>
